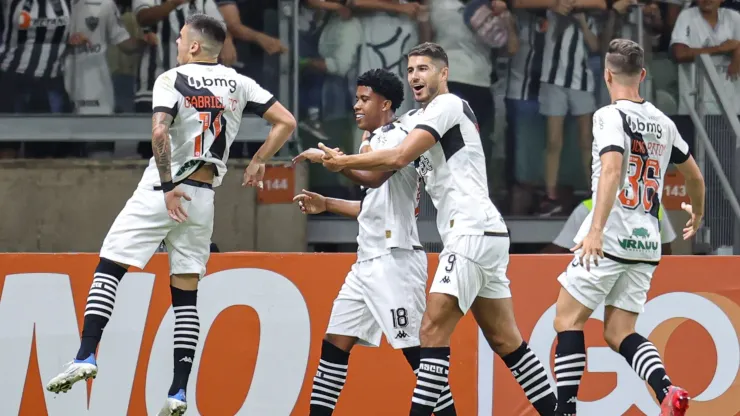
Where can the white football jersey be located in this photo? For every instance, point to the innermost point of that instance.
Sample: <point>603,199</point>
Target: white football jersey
<point>388,214</point>
<point>87,77</point>
<point>207,102</point>
<point>454,169</point>
<point>649,141</point>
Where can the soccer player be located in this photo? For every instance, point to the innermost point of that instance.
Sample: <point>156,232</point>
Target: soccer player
<point>446,148</point>
<point>633,144</point>
<point>197,112</point>
<point>385,289</point>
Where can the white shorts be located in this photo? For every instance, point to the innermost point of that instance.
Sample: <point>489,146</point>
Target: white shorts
<point>143,224</point>
<point>383,295</point>
<point>617,284</point>
<point>472,266</point>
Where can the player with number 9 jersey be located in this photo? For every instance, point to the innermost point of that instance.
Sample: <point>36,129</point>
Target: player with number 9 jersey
<point>651,142</point>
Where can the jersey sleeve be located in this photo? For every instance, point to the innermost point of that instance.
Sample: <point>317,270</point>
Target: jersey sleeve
<point>210,7</point>
<point>440,115</point>
<point>667,233</point>
<point>115,30</point>
<point>568,234</point>
<point>608,130</point>
<point>165,97</point>
<point>258,100</point>
<point>138,5</point>
<point>680,149</point>
<point>682,29</point>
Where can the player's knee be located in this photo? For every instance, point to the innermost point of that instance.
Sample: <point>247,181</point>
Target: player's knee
<point>342,342</point>
<point>433,332</point>
<point>185,281</point>
<point>566,322</point>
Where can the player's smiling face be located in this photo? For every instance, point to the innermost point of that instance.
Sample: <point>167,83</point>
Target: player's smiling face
<point>369,108</point>
<point>424,77</point>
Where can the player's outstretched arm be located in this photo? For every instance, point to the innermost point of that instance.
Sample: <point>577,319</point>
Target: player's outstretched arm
<point>414,145</point>
<point>313,203</point>
<point>695,188</point>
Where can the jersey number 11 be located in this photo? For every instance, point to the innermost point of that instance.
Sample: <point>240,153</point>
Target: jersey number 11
<point>205,121</point>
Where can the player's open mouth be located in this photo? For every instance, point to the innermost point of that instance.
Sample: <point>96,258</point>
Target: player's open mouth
<point>418,87</point>
<point>359,116</point>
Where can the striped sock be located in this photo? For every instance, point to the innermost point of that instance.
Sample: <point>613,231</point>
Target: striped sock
<point>532,377</point>
<point>644,358</point>
<point>187,332</point>
<point>329,380</point>
<point>100,302</point>
<point>445,404</point>
<point>570,363</point>
<point>431,381</point>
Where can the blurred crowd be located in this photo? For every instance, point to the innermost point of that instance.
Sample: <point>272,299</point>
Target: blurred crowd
<point>530,69</point>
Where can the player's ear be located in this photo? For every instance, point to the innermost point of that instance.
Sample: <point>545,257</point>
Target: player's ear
<point>386,105</point>
<point>643,74</point>
<point>445,72</point>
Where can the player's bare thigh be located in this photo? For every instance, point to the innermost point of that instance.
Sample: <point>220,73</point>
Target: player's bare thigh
<point>440,318</point>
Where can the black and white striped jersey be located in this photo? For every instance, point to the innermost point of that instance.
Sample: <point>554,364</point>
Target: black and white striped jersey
<point>525,68</point>
<point>207,102</point>
<point>157,59</point>
<point>34,36</point>
<point>566,55</point>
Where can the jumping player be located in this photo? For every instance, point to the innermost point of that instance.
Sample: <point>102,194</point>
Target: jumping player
<point>384,292</point>
<point>446,148</point>
<point>633,144</point>
<point>197,112</point>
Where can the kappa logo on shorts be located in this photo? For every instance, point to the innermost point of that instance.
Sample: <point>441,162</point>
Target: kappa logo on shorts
<point>402,335</point>
<point>445,279</point>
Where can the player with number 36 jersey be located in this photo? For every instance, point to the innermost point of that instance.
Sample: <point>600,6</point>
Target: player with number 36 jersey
<point>618,247</point>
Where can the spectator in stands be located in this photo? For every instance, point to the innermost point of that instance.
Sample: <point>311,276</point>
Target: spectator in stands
<point>471,63</point>
<point>165,20</point>
<point>714,31</point>
<point>123,66</point>
<point>35,37</point>
<point>567,88</point>
<point>565,240</point>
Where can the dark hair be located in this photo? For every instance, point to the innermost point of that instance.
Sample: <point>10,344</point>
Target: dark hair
<point>430,50</point>
<point>207,26</point>
<point>625,57</point>
<point>384,83</point>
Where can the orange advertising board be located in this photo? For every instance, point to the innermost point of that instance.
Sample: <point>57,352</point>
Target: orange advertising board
<point>263,317</point>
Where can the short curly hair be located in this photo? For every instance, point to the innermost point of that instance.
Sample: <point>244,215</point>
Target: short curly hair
<point>384,83</point>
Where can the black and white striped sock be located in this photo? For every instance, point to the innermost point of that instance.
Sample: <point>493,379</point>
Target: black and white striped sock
<point>445,404</point>
<point>644,358</point>
<point>431,381</point>
<point>100,303</point>
<point>570,363</point>
<point>532,377</point>
<point>329,379</point>
<point>187,332</point>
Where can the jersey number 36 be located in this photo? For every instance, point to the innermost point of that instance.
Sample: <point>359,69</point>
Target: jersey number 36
<point>644,183</point>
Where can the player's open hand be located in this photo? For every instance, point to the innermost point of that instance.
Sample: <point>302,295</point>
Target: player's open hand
<point>254,174</point>
<point>591,249</point>
<point>172,200</point>
<point>310,202</point>
<point>692,225</point>
<point>331,159</point>
<point>313,155</point>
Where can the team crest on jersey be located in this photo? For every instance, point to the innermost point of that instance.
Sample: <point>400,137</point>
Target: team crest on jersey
<point>92,23</point>
<point>423,165</point>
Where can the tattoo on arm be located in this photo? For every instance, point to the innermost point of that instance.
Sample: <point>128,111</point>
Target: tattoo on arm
<point>161,145</point>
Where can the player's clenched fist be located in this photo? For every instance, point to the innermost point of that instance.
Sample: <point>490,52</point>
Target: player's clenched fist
<point>310,202</point>
<point>174,204</point>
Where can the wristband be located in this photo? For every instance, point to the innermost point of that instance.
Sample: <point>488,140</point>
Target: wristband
<point>167,186</point>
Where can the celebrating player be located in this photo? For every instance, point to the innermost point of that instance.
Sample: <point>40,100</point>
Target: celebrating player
<point>633,144</point>
<point>197,112</point>
<point>385,290</point>
<point>446,148</point>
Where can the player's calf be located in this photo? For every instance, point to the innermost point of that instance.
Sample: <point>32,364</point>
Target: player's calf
<point>186,335</point>
<point>445,404</point>
<point>496,320</point>
<point>330,378</point>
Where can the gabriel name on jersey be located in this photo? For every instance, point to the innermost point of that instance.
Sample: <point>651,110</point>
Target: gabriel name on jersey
<point>649,142</point>
<point>207,102</point>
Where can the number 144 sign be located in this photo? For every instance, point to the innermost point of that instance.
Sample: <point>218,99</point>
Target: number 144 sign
<point>278,185</point>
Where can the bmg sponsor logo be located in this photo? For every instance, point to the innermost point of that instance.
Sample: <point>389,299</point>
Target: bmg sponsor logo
<point>204,82</point>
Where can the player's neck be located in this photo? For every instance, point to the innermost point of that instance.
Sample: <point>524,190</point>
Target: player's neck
<point>624,93</point>
<point>442,90</point>
<point>203,61</point>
